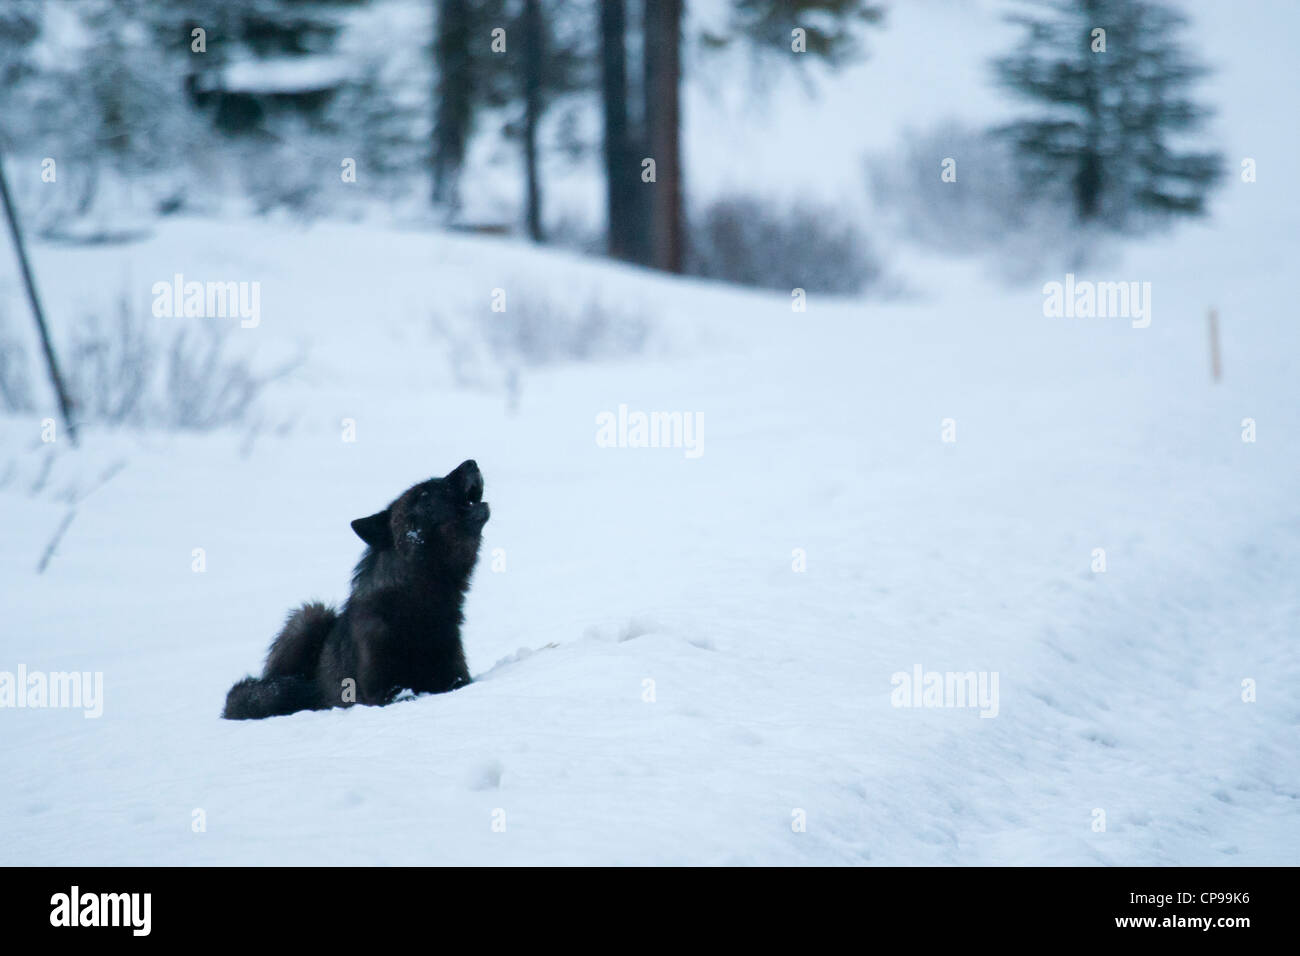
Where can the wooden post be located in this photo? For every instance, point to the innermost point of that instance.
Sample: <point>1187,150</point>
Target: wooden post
<point>1216,367</point>
<point>11,213</point>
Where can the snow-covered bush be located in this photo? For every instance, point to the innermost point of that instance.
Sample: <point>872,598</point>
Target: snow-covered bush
<point>746,240</point>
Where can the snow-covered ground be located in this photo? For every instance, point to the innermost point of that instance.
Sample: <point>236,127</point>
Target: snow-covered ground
<point>821,431</point>
<point>769,694</point>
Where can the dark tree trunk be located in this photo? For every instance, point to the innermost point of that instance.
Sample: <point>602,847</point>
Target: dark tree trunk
<point>533,58</point>
<point>620,170</point>
<point>1088,177</point>
<point>453,110</point>
<point>1087,187</point>
<point>663,39</point>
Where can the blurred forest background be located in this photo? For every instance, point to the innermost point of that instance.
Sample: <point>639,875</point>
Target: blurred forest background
<point>479,115</point>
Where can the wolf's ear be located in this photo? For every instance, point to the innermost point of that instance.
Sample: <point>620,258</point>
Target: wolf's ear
<point>375,530</point>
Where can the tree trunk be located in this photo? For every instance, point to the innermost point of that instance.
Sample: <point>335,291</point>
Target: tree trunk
<point>1087,187</point>
<point>453,110</point>
<point>620,173</point>
<point>663,38</point>
<point>533,58</point>
<point>1088,176</point>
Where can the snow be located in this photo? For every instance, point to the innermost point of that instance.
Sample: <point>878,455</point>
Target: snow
<point>285,74</point>
<point>1118,691</point>
<point>822,431</point>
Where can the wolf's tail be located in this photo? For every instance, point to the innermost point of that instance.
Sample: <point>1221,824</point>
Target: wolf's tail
<point>256,697</point>
<point>287,683</point>
<point>296,650</point>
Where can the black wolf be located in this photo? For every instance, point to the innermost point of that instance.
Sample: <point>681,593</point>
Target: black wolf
<point>400,627</point>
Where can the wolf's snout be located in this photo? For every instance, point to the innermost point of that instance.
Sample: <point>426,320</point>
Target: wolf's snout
<point>480,513</point>
<point>469,480</point>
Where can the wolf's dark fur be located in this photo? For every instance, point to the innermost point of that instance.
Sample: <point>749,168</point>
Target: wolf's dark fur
<point>400,628</point>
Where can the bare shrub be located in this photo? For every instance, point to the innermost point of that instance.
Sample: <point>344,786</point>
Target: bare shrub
<point>15,383</point>
<point>540,328</point>
<point>108,367</point>
<point>205,388</point>
<point>119,371</point>
<point>799,246</point>
<point>537,329</point>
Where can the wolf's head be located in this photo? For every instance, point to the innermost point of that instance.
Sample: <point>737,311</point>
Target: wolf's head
<point>436,524</point>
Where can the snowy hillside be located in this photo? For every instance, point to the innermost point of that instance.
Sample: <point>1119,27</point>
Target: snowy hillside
<point>772,688</point>
<point>687,658</point>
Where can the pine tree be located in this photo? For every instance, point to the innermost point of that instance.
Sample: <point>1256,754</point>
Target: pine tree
<point>1113,88</point>
<point>830,27</point>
